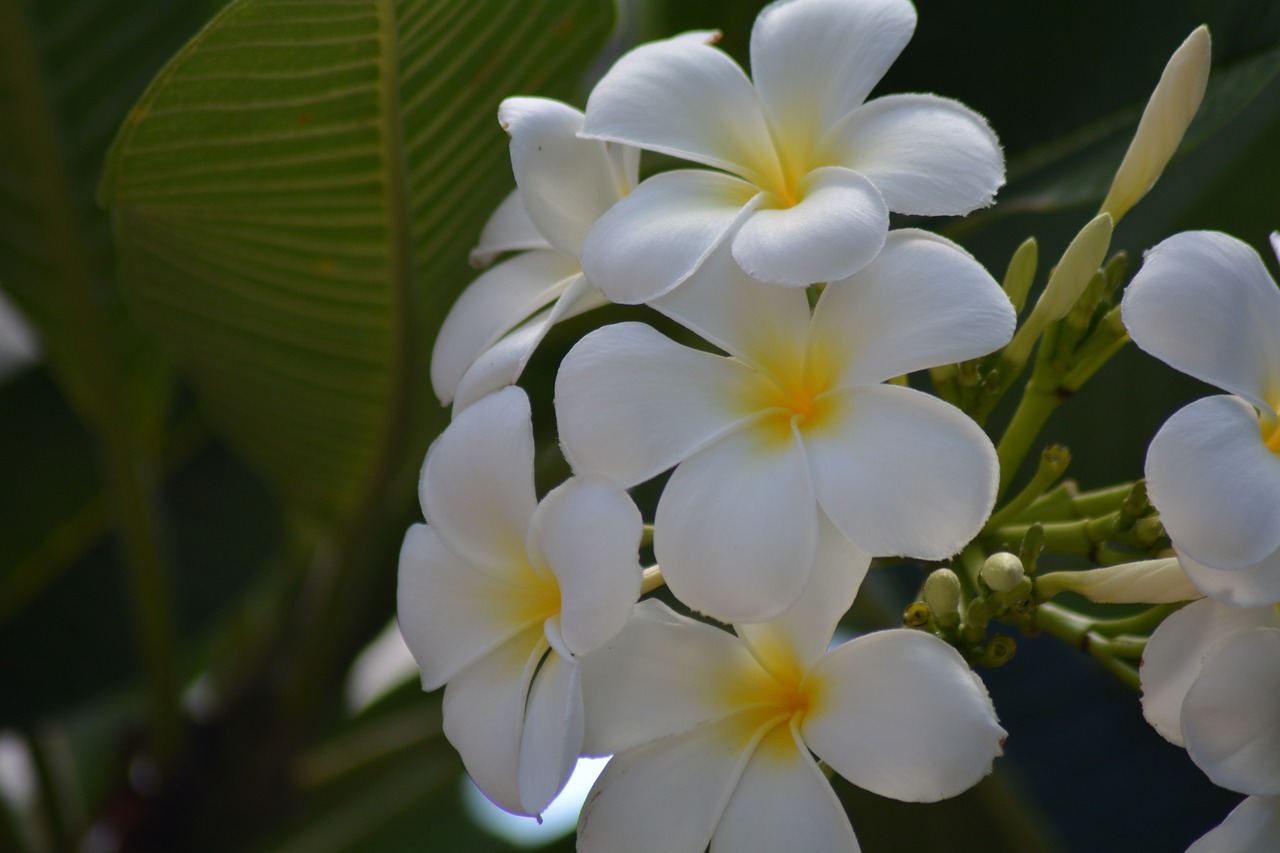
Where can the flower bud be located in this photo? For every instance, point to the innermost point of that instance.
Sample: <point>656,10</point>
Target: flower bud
<point>1146,582</point>
<point>1002,571</point>
<point>942,593</point>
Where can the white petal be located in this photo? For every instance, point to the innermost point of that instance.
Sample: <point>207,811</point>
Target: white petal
<point>922,302</point>
<point>508,230</point>
<point>792,643</point>
<point>631,403</point>
<point>501,364</point>
<point>1252,586</point>
<point>665,796</point>
<point>783,802</point>
<point>662,675</point>
<point>736,528</point>
<point>764,325</point>
<point>1216,484</point>
<point>814,61</point>
<point>685,98</point>
<point>900,714</point>
<point>493,304</point>
<point>552,734</point>
<point>1252,827</point>
<point>1204,304</point>
<point>903,473</point>
<point>1231,716</point>
<point>836,228</point>
<point>927,155</point>
<point>1162,581</point>
<point>662,232</point>
<point>588,531</point>
<point>566,183</point>
<point>484,710</point>
<point>477,484</point>
<point>450,614</point>
<point>1174,653</point>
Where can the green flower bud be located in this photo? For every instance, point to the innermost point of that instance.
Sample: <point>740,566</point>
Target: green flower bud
<point>942,593</point>
<point>1002,571</point>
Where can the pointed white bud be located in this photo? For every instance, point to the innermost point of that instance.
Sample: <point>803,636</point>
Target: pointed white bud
<point>1146,582</point>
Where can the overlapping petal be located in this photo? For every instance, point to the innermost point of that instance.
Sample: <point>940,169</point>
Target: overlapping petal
<point>631,403</point>
<point>1252,827</point>
<point>509,229</point>
<point>922,302</point>
<point>877,718</point>
<point>926,155</point>
<point>904,473</point>
<point>1231,717</point>
<point>587,532</point>
<point>736,528</point>
<point>657,236</point>
<point>1257,585</point>
<point>1216,483</point>
<point>1204,304</point>
<point>551,737</point>
<point>492,305</point>
<point>834,228</point>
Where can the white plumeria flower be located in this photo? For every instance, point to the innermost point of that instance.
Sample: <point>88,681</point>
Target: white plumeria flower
<point>564,184</point>
<point>1204,304</point>
<point>497,587</point>
<point>711,734</point>
<point>795,423</point>
<point>1210,678</point>
<point>812,170</point>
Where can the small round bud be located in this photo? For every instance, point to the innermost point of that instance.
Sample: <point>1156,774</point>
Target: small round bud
<point>917,615</point>
<point>942,593</point>
<point>1002,571</point>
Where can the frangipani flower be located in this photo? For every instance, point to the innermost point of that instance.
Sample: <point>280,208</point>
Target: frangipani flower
<point>794,424</point>
<point>810,171</point>
<point>499,595</point>
<point>1204,304</point>
<point>1210,678</point>
<point>563,185</point>
<point>711,734</point>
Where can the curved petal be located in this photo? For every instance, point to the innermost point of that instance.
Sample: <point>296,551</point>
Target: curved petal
<point>501,364</point>
<point>927,155</point>
<point>922,302</point>
<point>834,230</point>
<point>508,230</point>
<point>902,473</point>
<point>764,325</point>
<point>1253,586</point>
<point>567,183</point>
<point>1231,719</point>
<point>900,714</point>
<point>587,531</point>
<point>1216,483</point>
<point>814,61</point>
<point>477,484</point>
<point>736,528</point>
<point>686,98</point>
<point>634,806</point>
<point>1252,827</point>
<point>783,802</point>
<point>631,403</point>
<point>1204,304</point>
<point>484,710</point>
<point>1175,651</point>
<point>451,615</point>
<point>490,306</point>
<point>662,232</point>
<point>662,675</point>
<point>789,645</point>
<point>552,735</point>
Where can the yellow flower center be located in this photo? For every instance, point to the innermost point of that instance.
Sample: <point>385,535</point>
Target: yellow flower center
<point>1270,429</point>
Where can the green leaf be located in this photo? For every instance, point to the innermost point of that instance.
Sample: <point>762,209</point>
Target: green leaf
<point>295,196</point>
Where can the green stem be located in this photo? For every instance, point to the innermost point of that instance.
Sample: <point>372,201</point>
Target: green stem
<point>651,579</point>
<point>1078,632</point>
<point>1053,462</point>
<point>1069,537</point>
<point>1028,419</point>
<point>1100,501</point>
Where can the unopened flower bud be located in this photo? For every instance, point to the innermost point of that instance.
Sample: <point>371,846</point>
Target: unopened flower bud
<point>942,593</point>
<point>1002,571</point>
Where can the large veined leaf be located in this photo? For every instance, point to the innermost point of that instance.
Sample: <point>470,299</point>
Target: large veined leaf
<point>294,198</point>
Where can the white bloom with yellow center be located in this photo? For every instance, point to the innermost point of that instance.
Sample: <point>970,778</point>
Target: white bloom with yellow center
<point>810,169</point>
<point>1204,304</point>
<point>712,734</point>
<point>499,595</point>
<point>795,423</point>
